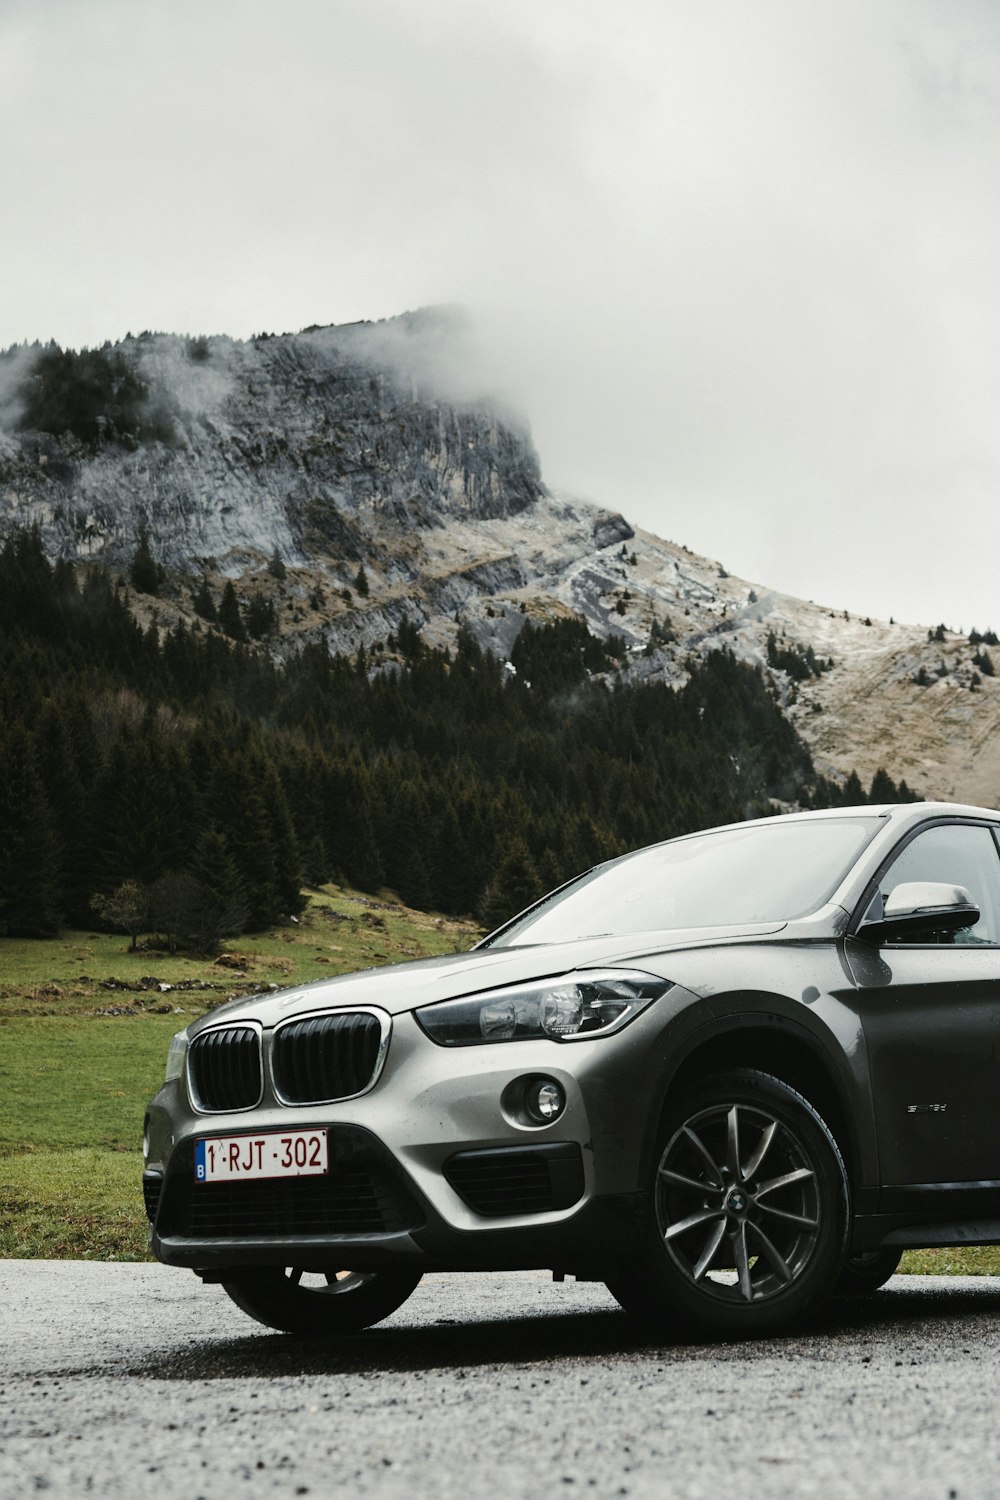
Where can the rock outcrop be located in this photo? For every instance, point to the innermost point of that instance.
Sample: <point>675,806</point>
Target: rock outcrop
<point>350,479</point>
<point>331,444</point>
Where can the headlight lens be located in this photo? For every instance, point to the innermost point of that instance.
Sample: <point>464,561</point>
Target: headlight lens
<point>570,1008</point>
<point>176,1056</point>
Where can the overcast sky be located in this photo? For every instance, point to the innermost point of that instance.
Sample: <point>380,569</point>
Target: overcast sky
<point>738,260</point>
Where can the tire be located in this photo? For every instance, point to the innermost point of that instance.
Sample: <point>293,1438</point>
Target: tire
<point>866,1272</point>
<point>748,1213</point>
<point>323,1305</point>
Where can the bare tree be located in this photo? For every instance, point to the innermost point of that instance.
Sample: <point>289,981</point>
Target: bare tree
<point>126,909</point>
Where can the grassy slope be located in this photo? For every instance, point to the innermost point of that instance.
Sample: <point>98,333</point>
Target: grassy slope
<point>82,1048</point>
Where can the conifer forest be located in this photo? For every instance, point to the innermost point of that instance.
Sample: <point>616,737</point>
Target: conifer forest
<point>188,784</point>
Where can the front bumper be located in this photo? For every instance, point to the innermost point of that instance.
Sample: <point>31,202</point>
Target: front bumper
<point>432,1167</point>
<point>275,1230</point>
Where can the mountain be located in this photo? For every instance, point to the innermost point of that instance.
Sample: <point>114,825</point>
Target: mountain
<point>346,481</point>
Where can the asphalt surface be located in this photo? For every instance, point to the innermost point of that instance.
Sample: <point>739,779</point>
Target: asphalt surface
<point>134,1380</point>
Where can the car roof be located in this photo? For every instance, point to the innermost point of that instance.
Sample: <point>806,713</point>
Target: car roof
<point>898,811</point>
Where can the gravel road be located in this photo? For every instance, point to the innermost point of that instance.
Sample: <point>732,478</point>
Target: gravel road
<point>134,1380</point>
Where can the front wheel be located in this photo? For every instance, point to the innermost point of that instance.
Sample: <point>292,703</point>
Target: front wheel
<point>748,1212</point>
<point>322,1305</point>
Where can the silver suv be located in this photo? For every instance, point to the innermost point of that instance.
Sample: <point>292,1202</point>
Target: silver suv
<point>726,1075</point>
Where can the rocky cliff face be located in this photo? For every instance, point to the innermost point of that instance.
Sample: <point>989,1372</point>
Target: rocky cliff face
<point>334,444</point>
<point>287,464</point>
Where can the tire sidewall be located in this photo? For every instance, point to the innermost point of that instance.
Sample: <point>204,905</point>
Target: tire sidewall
<point>657,1288</point>
<point>267,1295</point>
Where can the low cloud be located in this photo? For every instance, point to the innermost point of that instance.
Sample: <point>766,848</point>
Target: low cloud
<point>736,262</point>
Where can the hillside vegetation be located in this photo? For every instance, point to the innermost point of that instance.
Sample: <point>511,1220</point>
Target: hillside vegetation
<point>184,784</point>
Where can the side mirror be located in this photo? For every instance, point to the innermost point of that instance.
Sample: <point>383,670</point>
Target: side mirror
<point>922,906</point>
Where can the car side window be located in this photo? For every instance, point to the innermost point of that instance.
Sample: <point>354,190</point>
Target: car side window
<point>959,854</point>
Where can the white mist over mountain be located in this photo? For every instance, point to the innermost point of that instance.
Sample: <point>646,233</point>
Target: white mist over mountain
<point>737,263</point>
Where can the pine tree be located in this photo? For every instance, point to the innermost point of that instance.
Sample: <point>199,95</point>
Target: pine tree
<point>30,874</point>
<point>223,904</point>
<point>450,865</point>
<point>315,861</point>
<point>60,755</point>
<point>243,817</point>
<point>142,806</point>
<point>144,573</point>
<point>287,859</point>
<point>884,789</point>
<point>853,792</point>
<point>261,619</point>
<point>204,604</point>
<point>230,617</point>
<point>348,826</point>
<point>515,885</point>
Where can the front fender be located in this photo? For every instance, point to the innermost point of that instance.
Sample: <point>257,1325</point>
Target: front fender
<point>796,1004</point>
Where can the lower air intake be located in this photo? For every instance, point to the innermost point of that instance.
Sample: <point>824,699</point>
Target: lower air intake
<point>513,1180</point>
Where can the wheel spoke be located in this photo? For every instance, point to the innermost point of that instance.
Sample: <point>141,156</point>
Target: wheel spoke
<point>742,1197</point>
<point>704,1153</point>
<point>763,1146</point>
<point>691,1183</point>
<point>294,1275</point>
<point>708,1254</point>
<point>772,1253</point>
<point>733,1142</point>
<point>703,1216</point>
<point>799,1220</point>
<point>799,1175</point>
<point>743,1262</point>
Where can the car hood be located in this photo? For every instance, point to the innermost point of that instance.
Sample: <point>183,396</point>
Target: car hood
<point>402,987</point>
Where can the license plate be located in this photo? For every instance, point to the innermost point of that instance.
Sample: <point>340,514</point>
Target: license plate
<point>289,1153</point>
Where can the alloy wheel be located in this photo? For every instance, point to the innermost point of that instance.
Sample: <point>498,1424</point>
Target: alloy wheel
<point>327,1283</point>
<point>738,1203</point>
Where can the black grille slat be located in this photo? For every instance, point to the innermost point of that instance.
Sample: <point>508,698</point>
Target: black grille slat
<point>296,1206</point>
<point>225,1068</point>
<point>359,1060</point>
<point>322,1058</point>
<point>306,1062</point>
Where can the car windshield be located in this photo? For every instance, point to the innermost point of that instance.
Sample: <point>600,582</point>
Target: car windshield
<point>761,872</point>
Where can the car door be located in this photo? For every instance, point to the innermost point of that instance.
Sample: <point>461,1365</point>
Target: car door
<point>930,1010</point>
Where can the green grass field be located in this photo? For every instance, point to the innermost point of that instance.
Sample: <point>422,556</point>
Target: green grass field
<point>84,1030</point>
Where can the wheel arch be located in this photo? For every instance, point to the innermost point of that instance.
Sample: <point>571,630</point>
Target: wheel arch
<point>772,1044</point>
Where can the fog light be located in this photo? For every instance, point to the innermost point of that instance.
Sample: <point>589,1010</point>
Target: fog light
<point>544,1100</point>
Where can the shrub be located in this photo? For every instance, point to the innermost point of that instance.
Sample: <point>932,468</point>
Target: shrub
<point>95,395</point>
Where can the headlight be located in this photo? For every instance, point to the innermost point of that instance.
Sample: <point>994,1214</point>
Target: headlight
<point>176,1056</point>
<point>567,1009</point>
